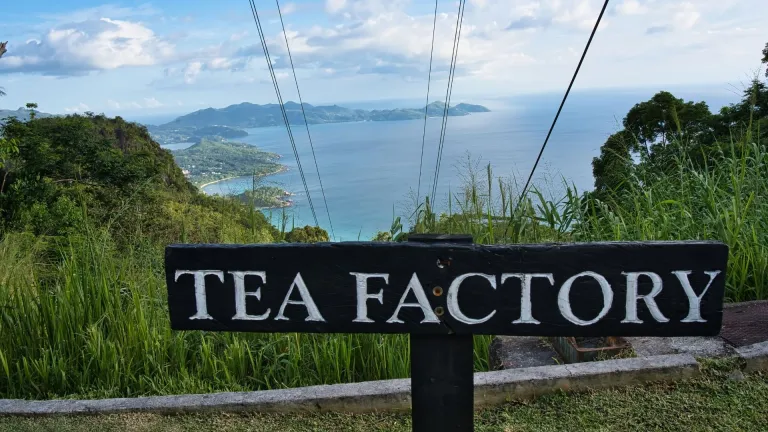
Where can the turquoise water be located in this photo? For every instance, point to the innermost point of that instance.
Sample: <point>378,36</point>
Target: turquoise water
<point>368,169</point>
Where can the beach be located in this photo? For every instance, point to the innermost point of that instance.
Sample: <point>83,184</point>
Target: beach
<point>282,168</point>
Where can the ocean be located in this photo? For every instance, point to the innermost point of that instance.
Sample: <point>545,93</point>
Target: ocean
<point>370,170</point>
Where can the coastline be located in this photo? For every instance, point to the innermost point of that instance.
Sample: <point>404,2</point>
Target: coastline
<point>282,168</point>
<point>287,204</point>
<point>215,181</point>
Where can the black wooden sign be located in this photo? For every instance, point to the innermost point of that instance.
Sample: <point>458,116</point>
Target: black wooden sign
<point>590,289</point>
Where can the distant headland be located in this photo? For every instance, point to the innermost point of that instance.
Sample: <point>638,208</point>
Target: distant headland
<point>232,119</point>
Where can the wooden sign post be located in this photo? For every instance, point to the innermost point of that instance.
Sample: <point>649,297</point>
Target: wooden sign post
<point>442,290</point>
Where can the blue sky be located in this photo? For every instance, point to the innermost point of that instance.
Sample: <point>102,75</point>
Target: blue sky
<point>175,56</point>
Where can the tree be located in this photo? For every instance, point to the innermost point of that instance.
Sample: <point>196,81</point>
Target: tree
<point>9,148</point>
<point>765,58</point>
<point>31,106</point>
<point>665,117</point>
<point>2,51</point>
<point>613,168</point>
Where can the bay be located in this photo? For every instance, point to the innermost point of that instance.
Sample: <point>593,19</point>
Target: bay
<point>370,169</point>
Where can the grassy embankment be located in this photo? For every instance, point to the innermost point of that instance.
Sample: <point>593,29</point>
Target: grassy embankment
<point>92,321</point>
<point>87,204</point>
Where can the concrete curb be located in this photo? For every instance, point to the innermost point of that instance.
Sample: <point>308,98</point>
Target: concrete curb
<point>497,387</point>
<point>491,388</point>
<point>755,356</point>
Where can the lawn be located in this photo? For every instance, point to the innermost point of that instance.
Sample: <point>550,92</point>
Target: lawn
<point>713,402</point>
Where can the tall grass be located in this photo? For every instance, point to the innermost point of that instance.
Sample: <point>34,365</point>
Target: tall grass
<point>96,324</point>
<point>83,317</point>
<point>727,202</point>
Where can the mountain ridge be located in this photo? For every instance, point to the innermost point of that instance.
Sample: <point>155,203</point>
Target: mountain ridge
<point>249,115</point>
<point>22,114</point>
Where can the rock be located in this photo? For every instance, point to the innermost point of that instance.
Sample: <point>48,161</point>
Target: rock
<point>511,352</point>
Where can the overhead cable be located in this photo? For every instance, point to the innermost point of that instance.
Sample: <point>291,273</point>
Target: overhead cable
<point>282,105</point>
<point>304,114</point>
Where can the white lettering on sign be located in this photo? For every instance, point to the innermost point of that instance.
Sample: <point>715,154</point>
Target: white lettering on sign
<point>306,301</point>
<point>415,286</point>
<point>650,302</point>
<point>200,300</point>
<point>453,305</point>
<point>526,316</point>
<point>363,295</point>
<point>240,293</point>
<point>564,301</point>
<point>694,301</point>
<point>453,299</point>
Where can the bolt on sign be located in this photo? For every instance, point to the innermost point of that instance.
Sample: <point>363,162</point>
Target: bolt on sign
<point>442,290</point>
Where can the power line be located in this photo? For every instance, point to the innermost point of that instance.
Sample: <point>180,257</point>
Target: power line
<point>565,97</point>
<point>304,114</point>
<point>426,105</point>
<point>282,106</point>
<point>448,91</point>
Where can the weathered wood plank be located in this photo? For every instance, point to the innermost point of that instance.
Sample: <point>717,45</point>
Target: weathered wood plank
<point>676,288</point>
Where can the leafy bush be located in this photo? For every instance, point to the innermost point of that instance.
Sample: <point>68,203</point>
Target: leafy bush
<point>59,171</point>
<point>307,234</point>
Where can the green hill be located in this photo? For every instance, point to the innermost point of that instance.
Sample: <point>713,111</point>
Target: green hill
<point>248,115</point>
<point>61,175</point>
<point>210,160</point>
<point>20,114</point>
<point>165,135</point>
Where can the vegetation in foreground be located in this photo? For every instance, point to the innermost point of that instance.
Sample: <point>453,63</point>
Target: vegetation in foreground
<point>87,204</point>
<point>710,403</point>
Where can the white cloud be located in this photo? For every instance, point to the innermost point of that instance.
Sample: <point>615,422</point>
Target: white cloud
<point>499,39</point>
<point>381,38</point>
<point>686,16</point>
<point>77,49</point>
<point>81,107</point>
<point>96,13</point>
<point>149,103</point>
<point>219,63</point>
<point>192,71</point>
<point>631,7</point>
<point>574,14</point>
<point>152,103</point>
<point>523,44</point>
<point>676,17</point>
<point>335,6</point>
<point>238,36</point>
<point>288,8</point>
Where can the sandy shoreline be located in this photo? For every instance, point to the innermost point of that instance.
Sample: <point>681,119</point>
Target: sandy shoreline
<point>215,181</point>
<point>282,168</point>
